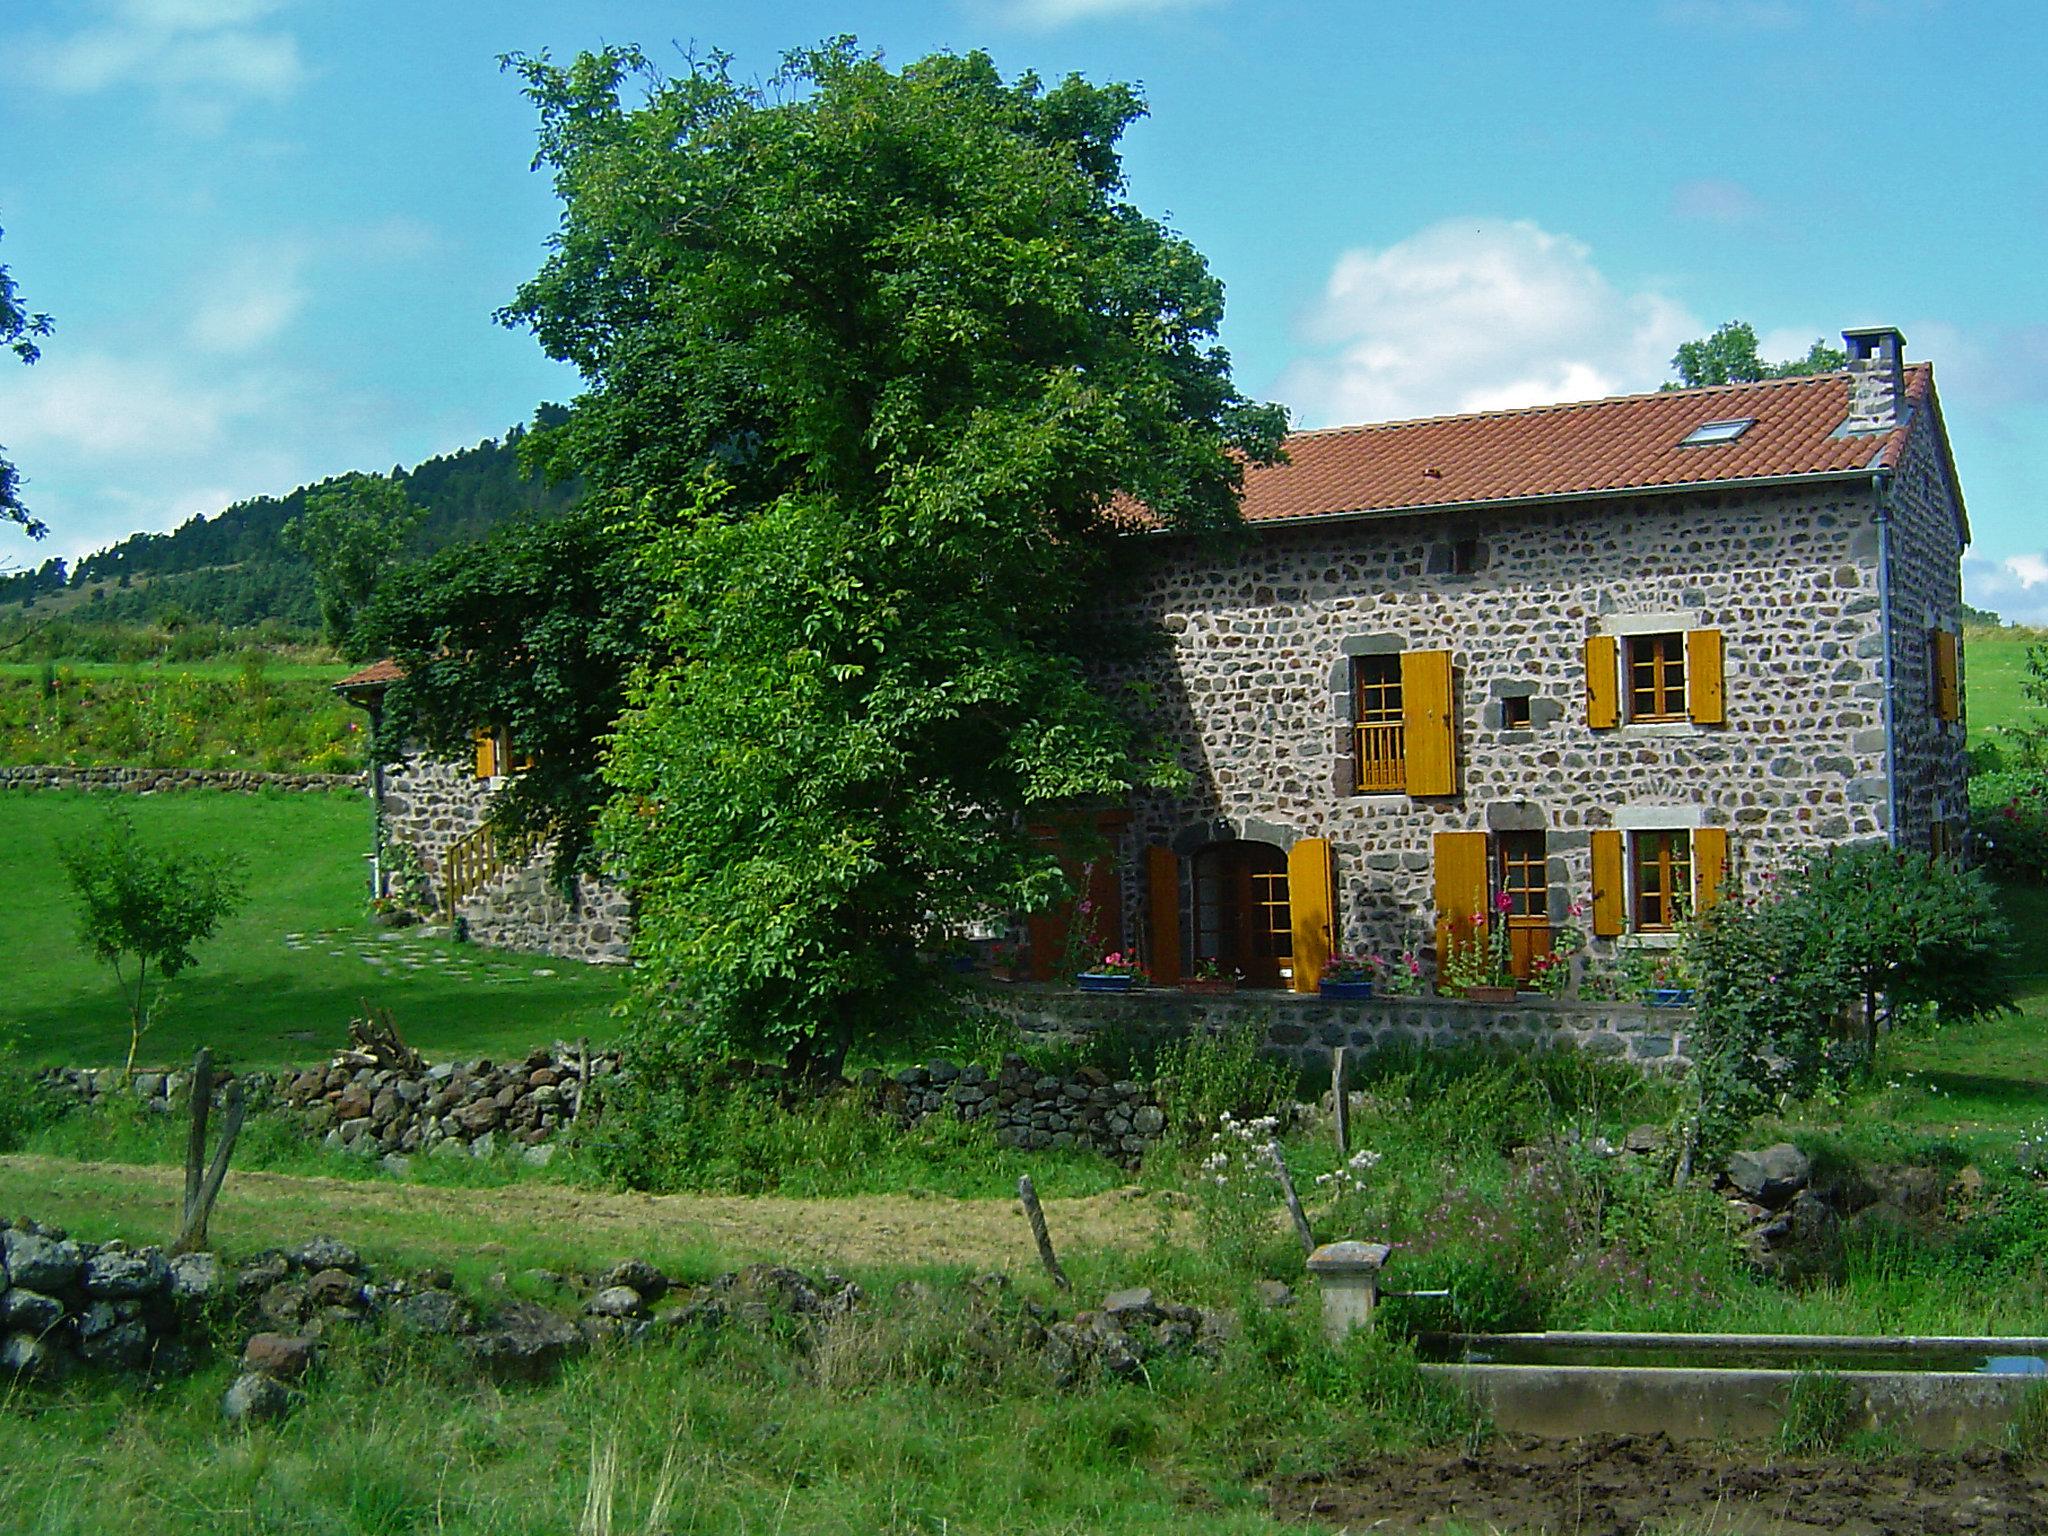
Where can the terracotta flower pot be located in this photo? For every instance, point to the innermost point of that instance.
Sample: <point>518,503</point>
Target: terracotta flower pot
<point>1490,994</point>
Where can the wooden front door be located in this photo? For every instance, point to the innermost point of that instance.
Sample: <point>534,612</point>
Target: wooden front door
<point>1243,920</point>
<point>1522,874</point>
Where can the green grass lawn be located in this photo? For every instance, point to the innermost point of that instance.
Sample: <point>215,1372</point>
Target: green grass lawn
<point>283,977</point>
<point>218,667</point>
<point>1995,662</point>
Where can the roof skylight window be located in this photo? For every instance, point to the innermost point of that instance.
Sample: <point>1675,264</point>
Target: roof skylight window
<point>1708,433</point>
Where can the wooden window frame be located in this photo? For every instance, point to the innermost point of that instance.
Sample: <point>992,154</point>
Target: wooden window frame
<point>1518,712</point>
<point>1521,872</point>
<point>1654,668</point>
<point>1378,727</point>
<point>1667,851</point>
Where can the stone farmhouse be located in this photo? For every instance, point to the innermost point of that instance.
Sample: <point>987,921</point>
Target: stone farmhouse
<point>1594,663</point>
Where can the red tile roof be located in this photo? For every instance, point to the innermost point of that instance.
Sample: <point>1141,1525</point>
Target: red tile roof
<point>375,675</point>
<point>1622,444</point>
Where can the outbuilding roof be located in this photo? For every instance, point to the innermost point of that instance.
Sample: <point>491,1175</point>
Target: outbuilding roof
<point>1591,448</point>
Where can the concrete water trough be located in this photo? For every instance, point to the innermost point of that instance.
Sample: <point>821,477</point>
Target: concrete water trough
<point>1937,1392</point>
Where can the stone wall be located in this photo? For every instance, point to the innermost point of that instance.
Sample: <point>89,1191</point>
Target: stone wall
<point>1031,1109</point>
<point>148,781</point>
<point>1304,1028</point>
<point>104,1304</point>
<point>1255,687</point>
<point>1926,594</point>
<point>430,805</point>
<point>454,1108</point>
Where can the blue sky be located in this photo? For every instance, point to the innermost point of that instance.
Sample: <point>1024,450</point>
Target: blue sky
<point>273,232</point>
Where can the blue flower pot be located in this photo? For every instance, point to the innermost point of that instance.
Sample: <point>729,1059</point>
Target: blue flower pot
<point>1096,981</point>
<point>1669,997</point>
<point>1345,989</point>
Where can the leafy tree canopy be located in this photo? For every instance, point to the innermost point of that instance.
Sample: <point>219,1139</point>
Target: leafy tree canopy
<point>19,332</point>
<point>878,362</point>
<point>532,631</point>
<point>351,533</point>
<point>1729,356</point>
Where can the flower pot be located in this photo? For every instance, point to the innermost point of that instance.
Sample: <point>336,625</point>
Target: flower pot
<point>1207,984</point>
<point>1668,997</point>
<point>1099,981</point>
<point>1345,989</point>
<point>1489,994</point>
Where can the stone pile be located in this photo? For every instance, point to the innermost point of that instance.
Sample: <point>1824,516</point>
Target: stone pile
<point>449,1109</point>
<point>63,1303</point>
<point>1031,1109</point>
<point>1794,1223</point>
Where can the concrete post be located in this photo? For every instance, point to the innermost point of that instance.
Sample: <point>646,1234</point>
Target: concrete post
<point>1348,1275</point>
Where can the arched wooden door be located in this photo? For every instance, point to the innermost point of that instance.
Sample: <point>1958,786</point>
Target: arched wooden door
<point>1243,921</point>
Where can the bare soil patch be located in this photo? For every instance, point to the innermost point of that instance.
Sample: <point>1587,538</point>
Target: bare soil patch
<point>1621,1485</point>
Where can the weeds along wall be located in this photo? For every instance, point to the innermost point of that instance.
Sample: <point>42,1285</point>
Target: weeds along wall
<point>1303,1029</point>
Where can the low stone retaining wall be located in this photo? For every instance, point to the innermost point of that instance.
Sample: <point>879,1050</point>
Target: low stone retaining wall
<point>158,1092</point>
<point>148,781</point>
<point>1304,1028</point>
<point>105,1304</point>
<point>1031,1109</point>
<point>455,1108</point>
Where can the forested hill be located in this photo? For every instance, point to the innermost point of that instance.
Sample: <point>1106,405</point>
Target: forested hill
<point>232,569</point>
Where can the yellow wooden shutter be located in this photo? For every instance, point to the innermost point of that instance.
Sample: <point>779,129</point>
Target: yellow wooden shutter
<point>1603,683</point>
<point>1311,903</point>
<point>1429,729</point>
<point>1709,866</point>
<point>1460,890</point>
<point>1162,912</point>
<point>1705,695</point>
<point>1947,697</point>
<point>1610,885</point>
<point>486,754</point>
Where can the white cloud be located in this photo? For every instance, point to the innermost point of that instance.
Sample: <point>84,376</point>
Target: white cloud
<point>198,57</point>
<point>1716,200</point>
<point>1060,13</point>
<point>1476,314</point>
<point>247,304</point>
<point>1736,15</point>
<point>2014,587</point>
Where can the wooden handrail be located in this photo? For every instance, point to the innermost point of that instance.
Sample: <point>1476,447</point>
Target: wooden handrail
<point>1382,757</point>
<point>477,858</point>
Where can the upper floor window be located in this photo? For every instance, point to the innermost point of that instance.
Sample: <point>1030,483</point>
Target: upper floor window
<point>1378,723</point>
<point>1656,677</point>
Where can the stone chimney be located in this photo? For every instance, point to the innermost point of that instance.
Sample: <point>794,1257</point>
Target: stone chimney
<point>1877,379</point>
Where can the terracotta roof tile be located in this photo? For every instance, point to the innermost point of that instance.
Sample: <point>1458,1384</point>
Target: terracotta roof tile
<point>375,675</point>
<point>1625,443</point>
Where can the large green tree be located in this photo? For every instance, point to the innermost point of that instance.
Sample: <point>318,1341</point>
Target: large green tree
<point>351,533</point>
<point>1730,356</point>
<point>880,364</point>
<point>19,332</point>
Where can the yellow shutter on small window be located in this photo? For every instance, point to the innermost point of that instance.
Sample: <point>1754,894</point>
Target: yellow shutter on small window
<point>1311,908</point>
<point>1709,866</point>
<point>1603,683</point>
<point>1460,891</point>
<point>1947,695</point>
<point>486,754</point>
<point>1162,914</point>
<point>1610,885</point>
<point>1705,695</point>
<point>1428,728</point>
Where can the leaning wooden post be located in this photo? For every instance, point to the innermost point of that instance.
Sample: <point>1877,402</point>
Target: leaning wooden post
<point>1301,1226</point>
<point>1339,1103</point>
<point>202,1192</point>
<point>199,1102</point>
<point>1036,1216</point>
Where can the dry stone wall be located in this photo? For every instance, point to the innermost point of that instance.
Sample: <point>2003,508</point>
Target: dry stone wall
<point>1255,686</point>
<point>1031,1109</point>
<point>149,781</point>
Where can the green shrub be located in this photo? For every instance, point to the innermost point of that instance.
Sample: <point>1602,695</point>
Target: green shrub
<point>24,1107</point>
<point>1204,1076</point>
<point>2009,823</point>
